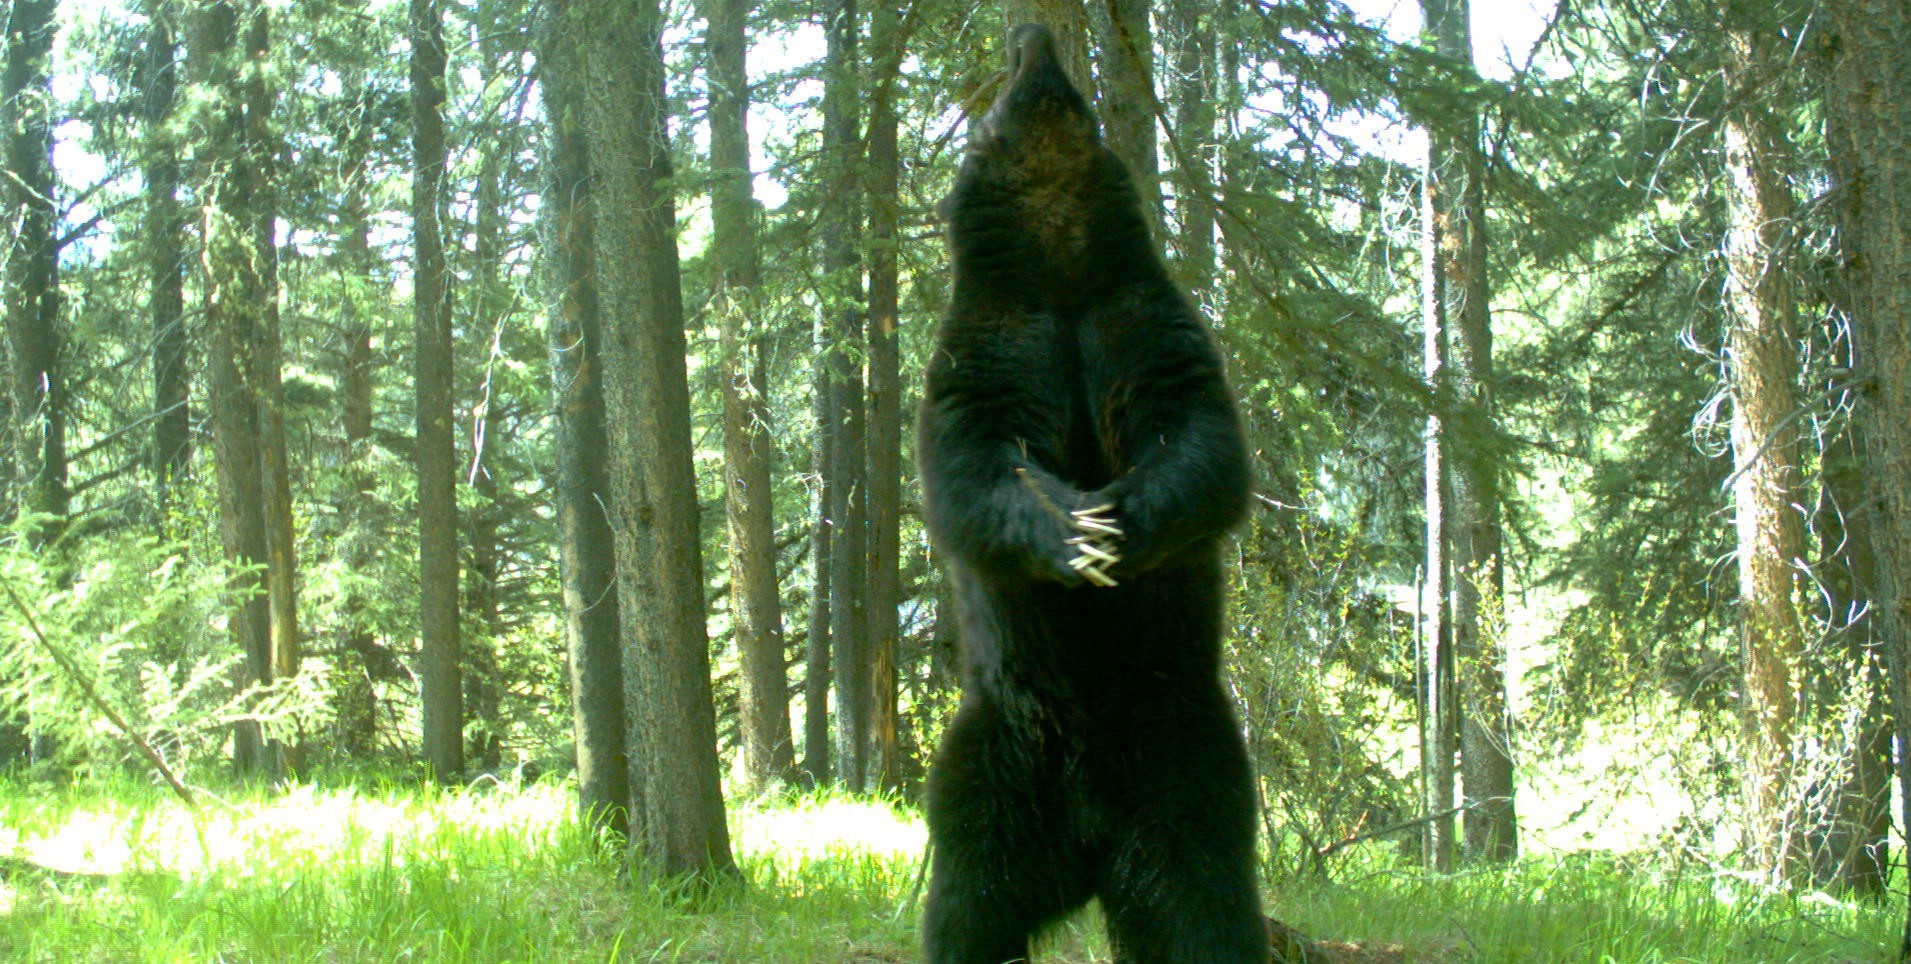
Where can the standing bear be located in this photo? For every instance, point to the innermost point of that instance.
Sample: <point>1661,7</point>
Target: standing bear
<point>1082,462</point>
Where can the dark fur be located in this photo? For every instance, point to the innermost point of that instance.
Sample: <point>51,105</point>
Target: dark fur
<point>1096,752</point>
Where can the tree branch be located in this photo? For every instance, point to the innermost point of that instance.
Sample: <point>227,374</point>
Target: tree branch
<point>79,679</point>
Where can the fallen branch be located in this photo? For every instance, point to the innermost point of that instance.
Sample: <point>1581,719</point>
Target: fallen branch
<point>1392,828</point>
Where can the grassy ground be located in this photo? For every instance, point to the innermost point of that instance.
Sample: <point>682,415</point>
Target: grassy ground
<point>503,873</point>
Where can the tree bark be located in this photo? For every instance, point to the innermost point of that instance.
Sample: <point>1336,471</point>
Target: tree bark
<point>587,556</point>
<point>841,225</point>
<point>490,314</point>
<point>678,826</point>
<point>165,224</point>
<point>1851,850</point>
<point>756,611</point>
<point>268,394</point>
<point>1067,20</point>
<point>884,555</point>
<point>1871,104</point>
<point>1438,742</point>
<point>33,280</point>
<point>234,294</point>
<point>1194,92</point>
<point>1125,55</point>
<point>355,699</point>
<point>1767,449</point>
<point>1869,101</point>
<point>443,686</point>
<point>33,404</point>
<point>1849,841</point>
<point>1476,583</point>
<point>816,647</point>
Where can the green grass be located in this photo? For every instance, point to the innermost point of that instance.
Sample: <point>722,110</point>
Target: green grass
<point>504,873</point>
<point>1592,909</point>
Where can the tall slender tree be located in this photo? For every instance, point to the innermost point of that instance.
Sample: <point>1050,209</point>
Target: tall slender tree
<point>165,224</point>
<point>35,394</point>
<point>1768,482</point>
<point>1476,583</point>
<point>1125,64</point>
<point>1851,849</point>
<point>38,385</point>
<point>228,186</point>
<point>748,448</point>
<point>678,825</point>
<point>1869,100</point>
<point>816,645</point>
<point>885,396</point>
<point>1438,741</point>
<point>1195,152</point>
<point>587,556</point>
<point>846,478</point>
<point>438,628</point>
<point>491,313</point>
<point>821,762</point>
<point>355,699</point>
<point>266,356</point>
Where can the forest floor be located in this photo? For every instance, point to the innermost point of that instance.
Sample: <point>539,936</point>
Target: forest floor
<point>383,872</point>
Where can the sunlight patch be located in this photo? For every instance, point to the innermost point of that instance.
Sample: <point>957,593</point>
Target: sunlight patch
<point>826,827</point>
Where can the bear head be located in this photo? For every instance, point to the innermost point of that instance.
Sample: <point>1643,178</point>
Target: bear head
<point>1039,195</point>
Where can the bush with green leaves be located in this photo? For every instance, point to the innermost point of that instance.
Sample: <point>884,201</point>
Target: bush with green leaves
<point>126,631</point>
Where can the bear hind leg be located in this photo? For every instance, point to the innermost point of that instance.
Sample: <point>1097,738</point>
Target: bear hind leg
<point>1004,863</point>
<point>1166,907</point>
<point>1179,883</point>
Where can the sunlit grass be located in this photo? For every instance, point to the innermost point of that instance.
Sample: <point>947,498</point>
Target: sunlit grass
<point>1593,909</point>
<point>505,873</point>
<point>497,872</point>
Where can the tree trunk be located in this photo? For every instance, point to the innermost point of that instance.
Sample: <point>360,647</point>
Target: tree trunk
<point>884,554</point>
<point>1438,742</point>
<point>587,556</point>
<point>490,314</point>
<point>756,610</point>
<point>480,656</point>
<point>1768,481</point>
<point>816,647</point>
<point>35,395</point>
<point>233,289</point>
<point>32,267</point>
<point>1869,109</point>
<point>849,647</point>
<point>1125,55</point>
<point>355,699</point>
<point>1853,851</point>
<point>1849,842</point>
<point>1476,584</point>
<point>443,687</point>
<point>1067,20</point>
<point>1194,91</point>
<point>165,225</point>
<point>679,825</point>
<point>268,395</point>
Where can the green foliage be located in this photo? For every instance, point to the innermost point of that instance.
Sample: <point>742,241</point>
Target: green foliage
<point>130,623</point>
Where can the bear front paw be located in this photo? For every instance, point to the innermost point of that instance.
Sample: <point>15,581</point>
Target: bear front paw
<point>1095,548</point>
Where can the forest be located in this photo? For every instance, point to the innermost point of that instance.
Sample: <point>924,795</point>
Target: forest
<point>459,495</point>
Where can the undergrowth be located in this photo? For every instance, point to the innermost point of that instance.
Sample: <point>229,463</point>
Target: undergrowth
<point>502,872</point>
